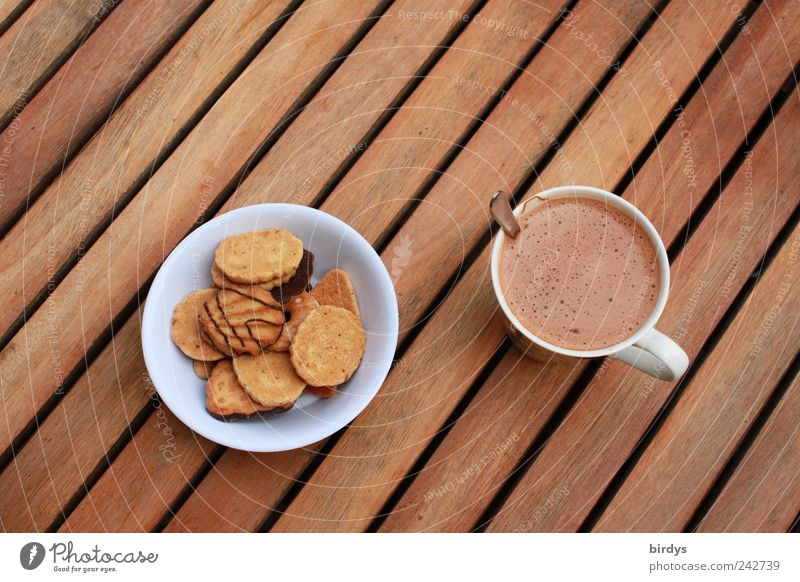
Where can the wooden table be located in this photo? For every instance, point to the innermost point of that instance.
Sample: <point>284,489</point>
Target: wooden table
<point>126,125</point>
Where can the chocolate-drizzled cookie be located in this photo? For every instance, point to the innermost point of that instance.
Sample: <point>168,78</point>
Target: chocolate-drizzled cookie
<point>298,283</point>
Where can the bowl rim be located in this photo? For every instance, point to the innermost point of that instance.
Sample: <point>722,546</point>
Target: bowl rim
<point>327,428</point>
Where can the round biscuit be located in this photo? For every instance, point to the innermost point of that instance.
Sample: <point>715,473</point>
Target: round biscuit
<point>186,330</point>
<point>265,256</point>
<point>328,346</point>
<point>269,378</point>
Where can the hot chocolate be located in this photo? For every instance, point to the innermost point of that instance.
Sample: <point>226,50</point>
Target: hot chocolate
<point>580,274</point>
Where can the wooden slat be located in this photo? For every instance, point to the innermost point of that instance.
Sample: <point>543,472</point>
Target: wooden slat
<point>502,151</point>
<point>83,92</point>
<point>125,151</point>
<point>716,408</point>
<point>110,164</point>
<point>364,68</point>
<point>615,409</point>
<point>502,407</point>
<point>468,105</point>
<point>36,44</point>
<point>328,30</point>
<point>352,484</point>
<point>9,8</point>
<point>367,64</point>
<point>763,495</point>
<point>38,484</point>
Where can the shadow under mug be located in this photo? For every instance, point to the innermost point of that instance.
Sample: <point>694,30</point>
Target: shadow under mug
<point>647,349</point>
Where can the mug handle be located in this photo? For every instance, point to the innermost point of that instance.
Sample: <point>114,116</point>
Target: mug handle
<point>657,355</point>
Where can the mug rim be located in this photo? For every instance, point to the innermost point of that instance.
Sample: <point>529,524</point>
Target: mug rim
<point>629,209</point>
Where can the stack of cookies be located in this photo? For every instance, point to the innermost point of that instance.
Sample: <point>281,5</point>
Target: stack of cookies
<point>261,336</point>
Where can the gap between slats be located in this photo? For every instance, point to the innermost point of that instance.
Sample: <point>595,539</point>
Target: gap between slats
<point>470,258</point>
<point>763,123</point>
<point>54,67</point>
<point>796,525</point>
<point>126,197</point>
<point>14,15</point>
<point>293,111</point>
<point>580,385</point>
<point>94,350</point>
<point>77,142</point>
<point>747,442</point>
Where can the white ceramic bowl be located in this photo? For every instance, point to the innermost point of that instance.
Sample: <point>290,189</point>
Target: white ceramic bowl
<point>335,245</point>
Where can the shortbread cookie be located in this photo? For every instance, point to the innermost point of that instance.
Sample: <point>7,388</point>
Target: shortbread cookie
<point>299,281</point>
<point>212,333</point>
<point>328,346</point>
<point>336,288</point>
<point>227,400</point>
<point>203,369</point>
<point>237,339</point>
<point>297,309</point>
<point>220,281</point>
<point>269,378</point>
<point>251,318</point>
<point>186,331</point>
<point>239,309</point>
<point>259,257</point>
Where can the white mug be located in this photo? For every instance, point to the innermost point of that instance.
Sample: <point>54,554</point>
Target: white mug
<point>647,349</point>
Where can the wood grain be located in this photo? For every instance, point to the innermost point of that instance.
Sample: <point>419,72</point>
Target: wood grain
<point>616,408</point>
<point>502,408</point>
<point>716,408</point>
<point>460,480</point>
<point>57,227</point>
<point>83,93</point>
<point>350,487</point>
<point>37,43</point>
<point>446,126</point>
<point>413,145</point>
<point>329,30</point>
<point>763,495</point>
<point>501,151</point>
<point>64,451</point>
<point>51,325</point>
<point>365,65</point>
<point>10,8</point>
<point>252,485</point>
<point>135,500</point>
<point>727,107</point>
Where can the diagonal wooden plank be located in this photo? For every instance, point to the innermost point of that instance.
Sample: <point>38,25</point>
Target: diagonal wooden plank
<point>126,151</point>
<point>82,93</point>
<point>363,68</point>
<point>57,346</point>
<point>66,218</point>
<point>43,476</point>
<point>716,408</point>
<point>351,486</point>
<point>502,151</point>
<point>763,495</point>
<point>274,87</point>
<point>616,408</point>
<point>36,45</point>
<point>506,53</point>
<point>503,406</point>
<point>9,10</point>
<point>102,378</point>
